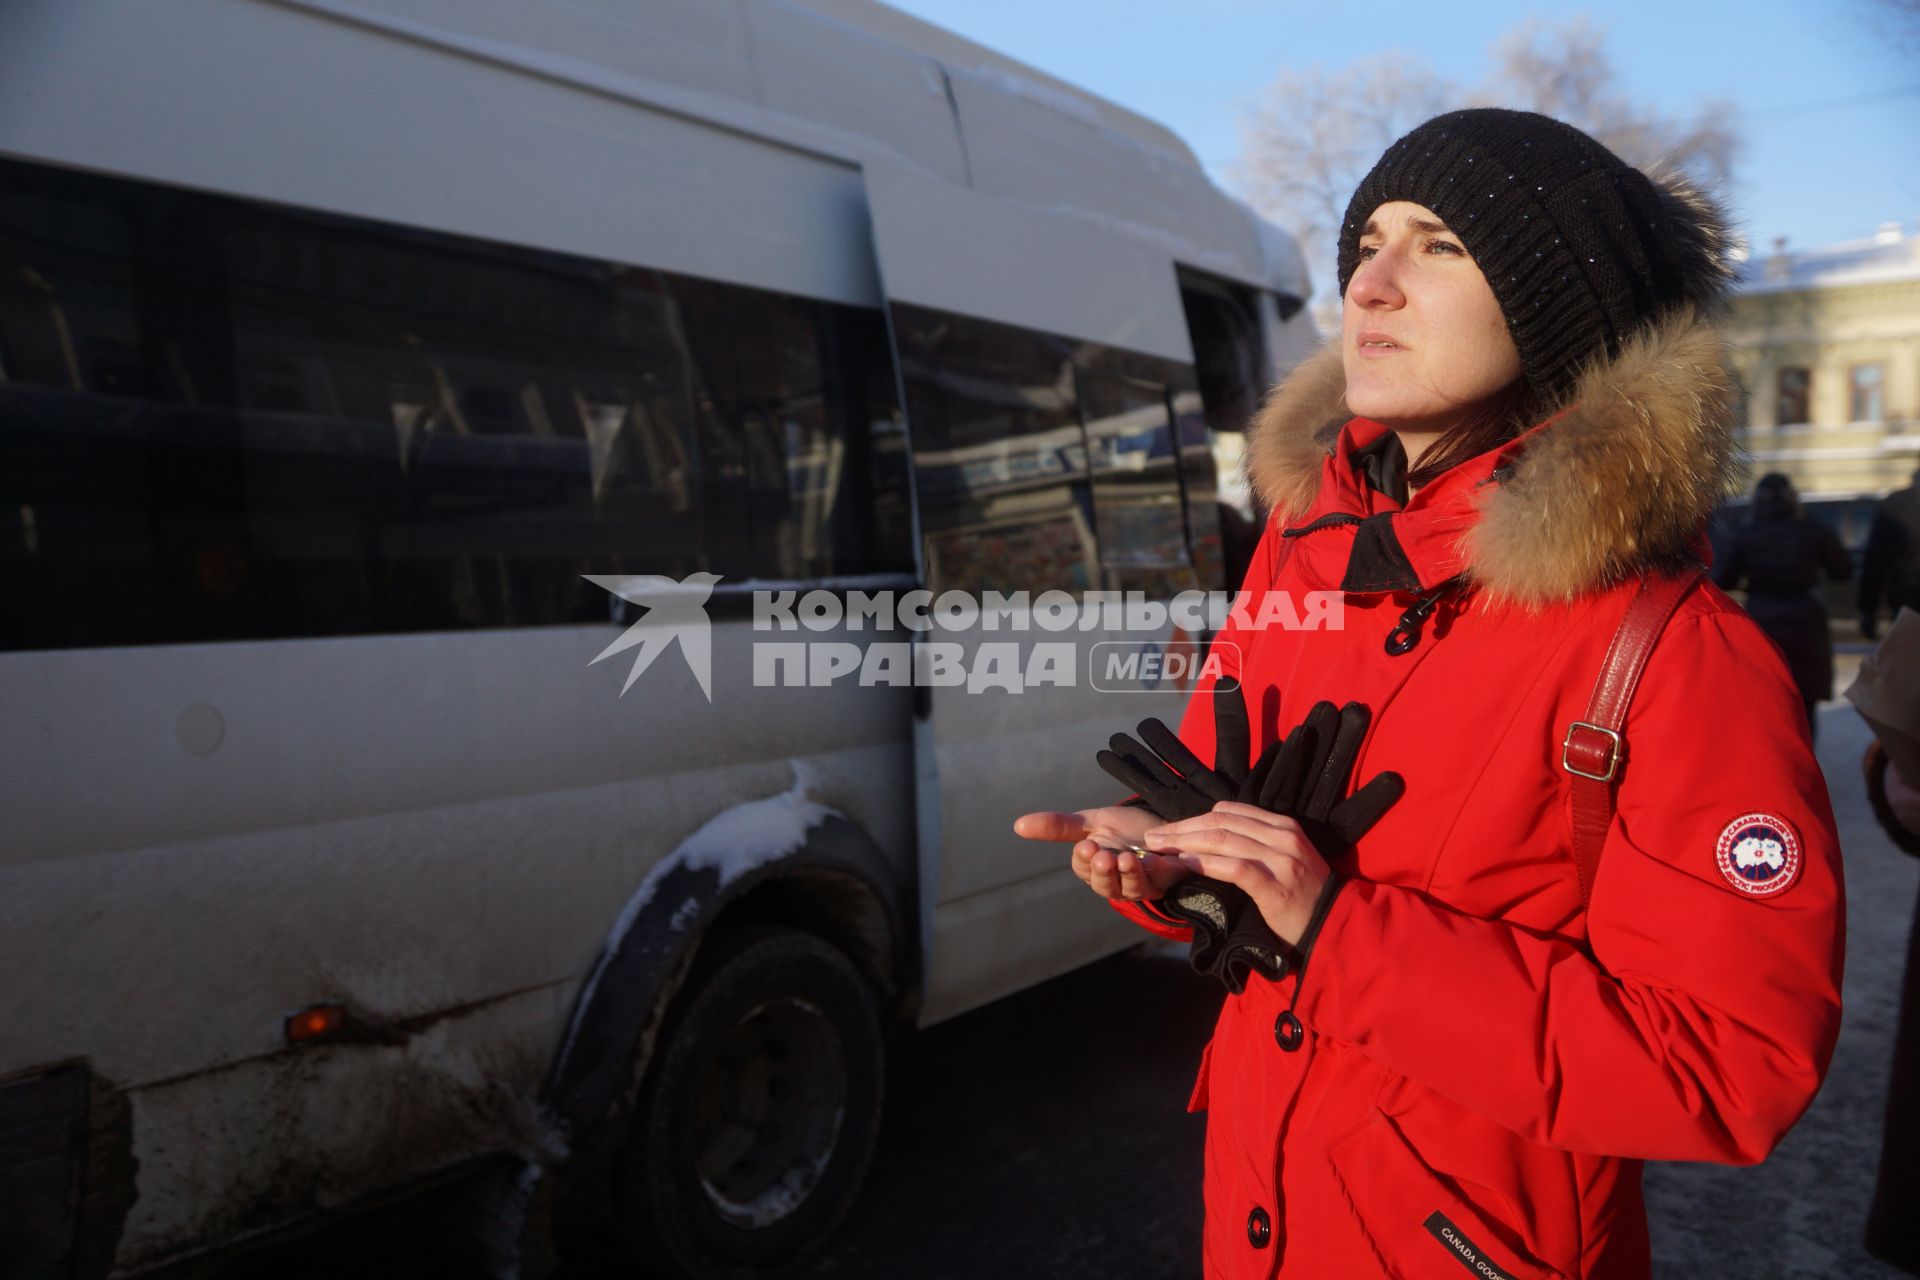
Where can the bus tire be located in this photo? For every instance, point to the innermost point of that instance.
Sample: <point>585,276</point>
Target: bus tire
<point>752,1134</point>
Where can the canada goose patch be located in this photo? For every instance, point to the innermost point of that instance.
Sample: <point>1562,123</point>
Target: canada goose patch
<point>1759,854</point>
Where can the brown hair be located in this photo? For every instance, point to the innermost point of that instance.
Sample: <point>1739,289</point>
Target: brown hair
<point>1494,421</point>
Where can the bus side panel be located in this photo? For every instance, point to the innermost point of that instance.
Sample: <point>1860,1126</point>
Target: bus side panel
<point>263,100</point>
<point>275,1138</point>
<point>460,819</point>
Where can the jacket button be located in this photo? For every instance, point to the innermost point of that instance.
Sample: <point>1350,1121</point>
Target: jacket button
<point>1288,1031</point>
<point>1259,1228</point>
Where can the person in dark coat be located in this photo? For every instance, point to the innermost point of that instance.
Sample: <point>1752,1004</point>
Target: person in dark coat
<point>1893,1222</point>
<point>1238,538</point>
<point>1778,555</point>
<point>1890,569</point>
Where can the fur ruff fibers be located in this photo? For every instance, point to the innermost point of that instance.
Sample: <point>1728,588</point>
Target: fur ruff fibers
<point>1618,483</point>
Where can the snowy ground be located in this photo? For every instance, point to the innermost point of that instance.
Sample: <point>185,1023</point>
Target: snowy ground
<point>1799,1215</point>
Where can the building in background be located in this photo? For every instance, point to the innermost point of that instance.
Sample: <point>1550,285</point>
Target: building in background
<point>1826,344</point>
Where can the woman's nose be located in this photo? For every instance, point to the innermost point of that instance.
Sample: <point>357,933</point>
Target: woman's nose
<point>1375,282</point>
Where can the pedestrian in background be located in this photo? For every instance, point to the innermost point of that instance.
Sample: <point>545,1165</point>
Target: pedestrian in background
<point>1890,569</point>
<point>1489,1014</point>
<point>1887,696</point>
<point>1779,554</point>
<point>1893,1220</point>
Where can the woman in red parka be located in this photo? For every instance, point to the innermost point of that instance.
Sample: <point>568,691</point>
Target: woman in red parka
<point>1475,1046</point>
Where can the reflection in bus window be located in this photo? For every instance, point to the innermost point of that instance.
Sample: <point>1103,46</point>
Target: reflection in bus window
<point>1136,485</point>
<point>804,463</point>
<point>236,421</point>
<point>1229,362</point>
<point>797,436</point>
<point>1183,561</point>
<point>999,452</point>
<point>1199,476</point>
<point>1047,463</point>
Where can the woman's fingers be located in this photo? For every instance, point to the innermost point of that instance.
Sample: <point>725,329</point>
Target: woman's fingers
<point>1163,873</point>
<point>1119,825</point>
<point>1088,865</point>
<point>1051,826</point>
<point>1243,839</point>
<point>1148,875</point>
<point>1231,809</point>
<point>1115,873</point>
<point>1251,874</point>
<point>1114,824</point>
<point>1278,839</point>
<point>1104,872</point>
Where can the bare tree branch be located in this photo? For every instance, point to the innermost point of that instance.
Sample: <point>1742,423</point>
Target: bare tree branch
<point>1563,70</point>
<point>1897,22</point>
<point>1312,134</point>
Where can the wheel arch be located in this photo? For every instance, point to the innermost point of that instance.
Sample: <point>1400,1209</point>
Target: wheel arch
<point>836,883</point>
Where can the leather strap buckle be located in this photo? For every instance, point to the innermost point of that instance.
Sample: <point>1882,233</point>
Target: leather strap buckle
<point>1602,757</point>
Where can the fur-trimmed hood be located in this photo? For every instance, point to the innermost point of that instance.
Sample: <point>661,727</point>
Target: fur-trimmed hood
<point>1616,482</point>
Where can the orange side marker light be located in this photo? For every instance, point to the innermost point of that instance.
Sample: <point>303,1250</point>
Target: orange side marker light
<point>320,1021</point>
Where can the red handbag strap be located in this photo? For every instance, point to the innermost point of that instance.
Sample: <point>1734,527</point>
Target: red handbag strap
<point>1595,749</point>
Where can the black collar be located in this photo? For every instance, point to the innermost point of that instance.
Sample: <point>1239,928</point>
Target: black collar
<point>1384,464</point>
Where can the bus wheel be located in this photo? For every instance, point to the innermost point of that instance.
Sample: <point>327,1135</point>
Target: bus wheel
<point>753,1131</point>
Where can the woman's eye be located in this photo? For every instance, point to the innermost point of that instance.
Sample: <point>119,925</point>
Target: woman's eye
<point>1367,251</point>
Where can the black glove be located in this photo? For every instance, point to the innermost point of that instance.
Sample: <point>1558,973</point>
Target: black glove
<point>1170,779</point>
<point>1311,794</point>
<point>1304,781</point>
<point>1301,777</point>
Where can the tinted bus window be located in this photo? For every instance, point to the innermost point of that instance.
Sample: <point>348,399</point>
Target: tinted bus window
<point>1139,516</point>
<point>1200,483</point>
<point>1143,375</point>
<point>999,453</point>
<point>225,420</point>
<point>808,473</point>
<point>1050,463</point>
<point>1223,320</point>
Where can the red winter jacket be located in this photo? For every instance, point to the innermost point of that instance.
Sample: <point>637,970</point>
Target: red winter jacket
<point>1486,1062</point>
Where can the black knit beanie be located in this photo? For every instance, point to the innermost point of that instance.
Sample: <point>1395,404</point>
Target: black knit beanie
<point>1581,248</point>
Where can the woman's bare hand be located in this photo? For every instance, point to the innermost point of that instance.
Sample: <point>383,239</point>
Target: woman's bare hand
<point>1100,856</point>
<point>1263,853</point>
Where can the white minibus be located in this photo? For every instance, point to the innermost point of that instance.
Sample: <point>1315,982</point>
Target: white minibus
<point>375,377</point>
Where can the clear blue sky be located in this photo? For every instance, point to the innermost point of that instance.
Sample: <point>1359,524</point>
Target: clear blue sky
<point>1816,174</point>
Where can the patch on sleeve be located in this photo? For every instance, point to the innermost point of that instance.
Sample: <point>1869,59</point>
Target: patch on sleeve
<point>1759,854</point>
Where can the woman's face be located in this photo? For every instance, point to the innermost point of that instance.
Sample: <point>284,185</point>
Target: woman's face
<point>1421,336</point>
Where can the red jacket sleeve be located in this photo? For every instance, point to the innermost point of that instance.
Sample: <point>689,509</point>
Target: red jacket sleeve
<point>1702,1022</point>
<point>1196,723</point>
